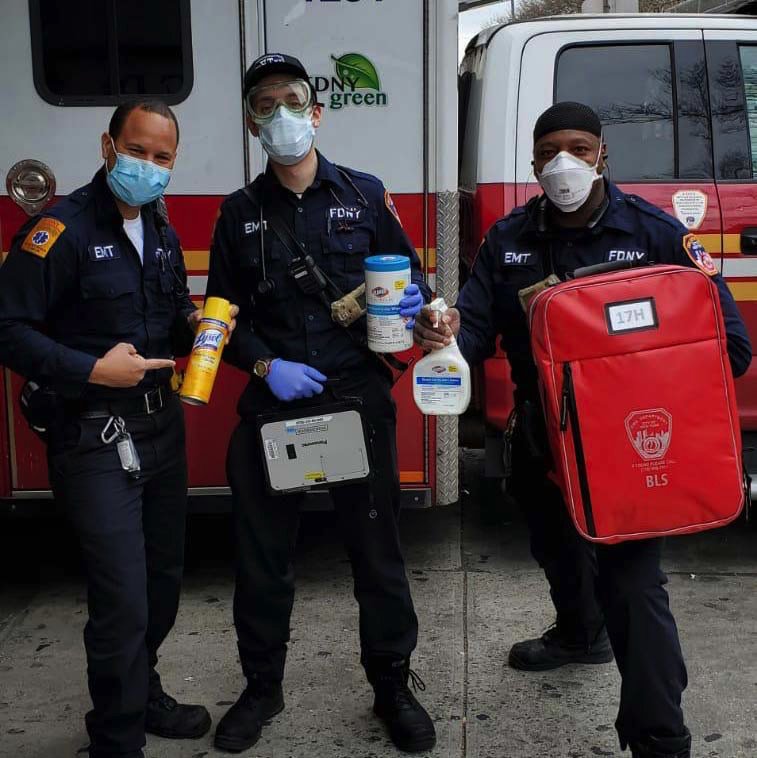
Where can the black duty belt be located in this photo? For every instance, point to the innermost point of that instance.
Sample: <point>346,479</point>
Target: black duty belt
<point>140,405</point>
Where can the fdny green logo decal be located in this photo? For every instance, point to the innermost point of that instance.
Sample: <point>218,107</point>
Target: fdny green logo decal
<point>355,82</point>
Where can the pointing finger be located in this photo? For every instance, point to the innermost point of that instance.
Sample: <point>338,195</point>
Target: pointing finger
<point>158,363</point>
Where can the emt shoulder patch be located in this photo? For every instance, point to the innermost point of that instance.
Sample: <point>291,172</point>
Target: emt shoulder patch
<point>698,255</point>
<point>391,206</point>
<point>43,236</point>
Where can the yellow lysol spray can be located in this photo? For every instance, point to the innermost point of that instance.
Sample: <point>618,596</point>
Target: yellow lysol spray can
<point>206,352</point>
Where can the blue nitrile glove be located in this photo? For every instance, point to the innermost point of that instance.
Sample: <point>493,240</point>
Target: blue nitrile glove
<point>411,304</point>
<point>293,381</point>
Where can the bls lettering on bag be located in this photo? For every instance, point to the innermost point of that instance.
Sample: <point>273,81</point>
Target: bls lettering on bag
<point>657,480</point>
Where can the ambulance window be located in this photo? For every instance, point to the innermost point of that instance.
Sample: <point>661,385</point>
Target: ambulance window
<point>730,130</point>
<point>101,52</point>
<point>748,55</point>
<point>470,91</point>
<point>631,88</point>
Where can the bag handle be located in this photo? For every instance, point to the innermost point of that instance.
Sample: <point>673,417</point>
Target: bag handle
<point>600,268</point>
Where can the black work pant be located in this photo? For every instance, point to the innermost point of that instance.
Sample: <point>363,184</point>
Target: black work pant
<point>620,585</point>
<point>266,532</point>
<point>132,539</point>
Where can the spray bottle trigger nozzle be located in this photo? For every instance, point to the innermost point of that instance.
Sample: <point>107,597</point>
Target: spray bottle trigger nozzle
<point>437,307</point>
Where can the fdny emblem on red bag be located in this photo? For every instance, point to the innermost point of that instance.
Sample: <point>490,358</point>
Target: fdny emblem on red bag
<point>649,432</point>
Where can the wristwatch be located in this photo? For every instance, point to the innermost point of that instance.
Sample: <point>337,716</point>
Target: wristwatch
<point>262,367</point>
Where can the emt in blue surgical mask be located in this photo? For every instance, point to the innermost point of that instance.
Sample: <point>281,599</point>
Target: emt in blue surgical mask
<point>296,352</point>
<point>94,307</point>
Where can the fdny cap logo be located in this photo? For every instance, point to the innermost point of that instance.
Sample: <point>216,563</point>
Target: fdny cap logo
<point>267,60</point>
<point>380,292</point>
<point>42,237</point>
<point>649,432</point>
<point>698,255</point>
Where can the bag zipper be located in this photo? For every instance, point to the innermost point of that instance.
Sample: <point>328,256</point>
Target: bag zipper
<point>569,412</point>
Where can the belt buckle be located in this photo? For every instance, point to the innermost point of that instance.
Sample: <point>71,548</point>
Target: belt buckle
<point>149,406</point>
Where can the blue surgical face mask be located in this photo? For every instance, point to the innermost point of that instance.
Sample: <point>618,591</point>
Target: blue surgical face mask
<point>136,182</point>
<point>287,137</point>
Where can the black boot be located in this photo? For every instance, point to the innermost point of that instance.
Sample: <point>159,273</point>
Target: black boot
<point>554,649</point>
<point>410,727</point>
<point>167,718</point>
<point>663,747</point>
<point>240,728</point>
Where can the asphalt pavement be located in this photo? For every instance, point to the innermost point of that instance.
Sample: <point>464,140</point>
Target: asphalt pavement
<point>477,591</point>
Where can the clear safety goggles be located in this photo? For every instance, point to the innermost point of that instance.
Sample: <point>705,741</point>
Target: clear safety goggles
<point>296,96</point>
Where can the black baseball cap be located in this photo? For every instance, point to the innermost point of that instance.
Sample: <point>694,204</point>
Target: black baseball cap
<point>273,63</point>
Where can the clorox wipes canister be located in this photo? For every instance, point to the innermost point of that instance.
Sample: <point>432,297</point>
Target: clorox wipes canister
<point>386,277</point>
<point>441,380</point>
<point>206,351</point>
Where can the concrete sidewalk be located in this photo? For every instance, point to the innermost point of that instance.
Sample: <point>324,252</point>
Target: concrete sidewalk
<point>476,590</point>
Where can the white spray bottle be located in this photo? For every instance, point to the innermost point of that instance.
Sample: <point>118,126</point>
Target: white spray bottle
<point>441,380</point>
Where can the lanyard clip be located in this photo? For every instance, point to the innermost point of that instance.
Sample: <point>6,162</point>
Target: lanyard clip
<point>112,429</point>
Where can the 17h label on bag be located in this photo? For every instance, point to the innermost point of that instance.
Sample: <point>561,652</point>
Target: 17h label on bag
<point>631,316</point>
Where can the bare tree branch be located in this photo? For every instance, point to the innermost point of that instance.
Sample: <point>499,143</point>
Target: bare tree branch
<point>529,9</point>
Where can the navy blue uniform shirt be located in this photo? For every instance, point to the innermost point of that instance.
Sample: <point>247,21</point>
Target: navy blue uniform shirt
<point>523,248</point>
<point>340,219</point>
<point>73,287</point>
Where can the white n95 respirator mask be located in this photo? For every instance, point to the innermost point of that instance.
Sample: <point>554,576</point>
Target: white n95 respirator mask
<point>287,137</point>
<point>567,181</point>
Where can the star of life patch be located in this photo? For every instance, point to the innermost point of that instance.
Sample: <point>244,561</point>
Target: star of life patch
<point>698,255</point>
<point>43,236</point>
<point>391,206</point>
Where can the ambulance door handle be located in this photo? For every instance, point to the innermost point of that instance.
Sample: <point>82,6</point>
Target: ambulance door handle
<point>749,240</point>
<point>30,184</point>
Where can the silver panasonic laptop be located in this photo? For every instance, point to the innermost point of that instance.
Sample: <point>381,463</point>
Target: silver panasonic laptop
<point>325,448</point>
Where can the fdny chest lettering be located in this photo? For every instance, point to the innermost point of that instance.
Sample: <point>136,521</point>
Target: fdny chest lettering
<point>516,258</point>
<point>626,255</point>
<point>104,252</point>
<point>349,213</point>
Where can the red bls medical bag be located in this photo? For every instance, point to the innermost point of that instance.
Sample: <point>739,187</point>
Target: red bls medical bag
<point>640,402</point>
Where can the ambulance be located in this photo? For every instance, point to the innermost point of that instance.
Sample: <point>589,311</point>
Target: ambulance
<point>677,96</point>
<point>386,73</point>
